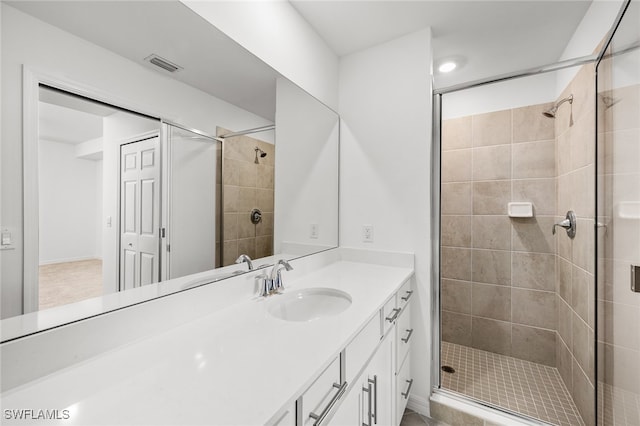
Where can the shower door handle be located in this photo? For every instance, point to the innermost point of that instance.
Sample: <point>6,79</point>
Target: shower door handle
<point>569,224</point>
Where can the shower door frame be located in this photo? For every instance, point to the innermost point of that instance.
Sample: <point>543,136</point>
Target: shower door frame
<point>436,326</point>
<point>598,194</point>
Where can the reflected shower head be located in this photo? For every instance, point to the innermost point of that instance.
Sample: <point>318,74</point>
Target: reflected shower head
<point>551,113</point>
<point>262,154</point>
<point>608,101</point>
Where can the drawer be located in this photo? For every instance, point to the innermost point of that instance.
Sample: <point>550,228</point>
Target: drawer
<point>361,347</point>
<point>404,383</point>
<point>404,334</point>
<point>389,314</point>
<point>288,418</point>
<point>320,394</point>
<point>404,294</point>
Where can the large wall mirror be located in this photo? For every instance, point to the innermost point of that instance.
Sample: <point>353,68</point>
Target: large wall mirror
<point>153,153</point>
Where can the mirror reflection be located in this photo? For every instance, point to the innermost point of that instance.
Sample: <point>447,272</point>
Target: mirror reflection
<point>142,173</point>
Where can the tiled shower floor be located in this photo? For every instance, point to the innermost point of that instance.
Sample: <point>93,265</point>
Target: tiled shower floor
<point>618,407</point>
<point>531,389</point>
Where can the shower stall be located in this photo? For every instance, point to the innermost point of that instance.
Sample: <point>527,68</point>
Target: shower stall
<point>538,210</point>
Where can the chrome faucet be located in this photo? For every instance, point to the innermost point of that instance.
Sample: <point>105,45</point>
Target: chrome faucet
<point>272,283</point>
<point>245,258</point>
<point>276,277</point>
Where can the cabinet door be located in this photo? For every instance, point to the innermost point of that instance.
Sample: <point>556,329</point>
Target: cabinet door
<point>403,387</point>
<point>379,378</point>
<point>348,413</point>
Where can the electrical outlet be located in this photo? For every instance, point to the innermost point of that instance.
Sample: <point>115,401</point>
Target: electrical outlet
<point>367,233</point>
<point>313,231</point>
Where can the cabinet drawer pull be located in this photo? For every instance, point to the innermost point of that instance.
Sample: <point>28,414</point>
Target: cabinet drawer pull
<point>406,394</point>
<point>369,413</point>
<point>408,296</point>
<point>375,398</point>
<point>406,339</point>
<point>319,418</point>
<point>393,317</point>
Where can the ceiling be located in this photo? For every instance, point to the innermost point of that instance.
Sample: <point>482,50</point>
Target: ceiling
<point>490,37</point>
<point>173,31</point>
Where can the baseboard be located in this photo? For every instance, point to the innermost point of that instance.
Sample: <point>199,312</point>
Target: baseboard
<point>73,259</point>
<point>419,405</point>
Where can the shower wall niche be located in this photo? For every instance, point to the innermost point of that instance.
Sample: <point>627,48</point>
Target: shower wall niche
<point>508,285</point>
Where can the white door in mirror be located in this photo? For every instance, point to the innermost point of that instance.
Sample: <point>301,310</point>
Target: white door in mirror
<point>139,213</point>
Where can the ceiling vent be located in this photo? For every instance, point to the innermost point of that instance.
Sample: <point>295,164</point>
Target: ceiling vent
<point>162,63</point>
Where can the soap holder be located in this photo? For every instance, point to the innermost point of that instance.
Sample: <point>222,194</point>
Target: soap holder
<point>520,209</point>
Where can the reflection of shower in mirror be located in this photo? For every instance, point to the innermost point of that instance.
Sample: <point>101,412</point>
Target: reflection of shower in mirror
<point>262,154</point>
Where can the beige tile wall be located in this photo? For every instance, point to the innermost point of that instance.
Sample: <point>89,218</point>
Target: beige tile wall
<point>510,286</point>
<point>247,186</point>
<point>575,293</point>
<point>498,288</point>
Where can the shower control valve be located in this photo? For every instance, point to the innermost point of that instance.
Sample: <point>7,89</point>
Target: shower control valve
<point>569,224</point>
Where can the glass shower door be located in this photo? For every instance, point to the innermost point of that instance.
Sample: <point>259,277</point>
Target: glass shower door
<point>618,232</point>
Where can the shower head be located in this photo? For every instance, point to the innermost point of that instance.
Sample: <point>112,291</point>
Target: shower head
<point>551,112</point>
<point>262,154</point>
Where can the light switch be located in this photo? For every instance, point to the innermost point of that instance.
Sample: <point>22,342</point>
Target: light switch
<point>6,237</point>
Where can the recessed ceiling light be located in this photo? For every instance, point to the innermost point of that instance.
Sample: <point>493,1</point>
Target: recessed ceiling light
<point>447,66</point>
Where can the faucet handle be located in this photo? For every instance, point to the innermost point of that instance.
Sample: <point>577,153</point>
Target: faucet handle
<point>569,224</point>
<point>265,285</point>
<point>277,283</point>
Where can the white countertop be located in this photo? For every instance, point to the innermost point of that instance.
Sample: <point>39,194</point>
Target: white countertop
<point>237,366</point>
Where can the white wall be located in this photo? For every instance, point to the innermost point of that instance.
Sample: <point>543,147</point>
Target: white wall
<point>593,28</point>
<point>306,169</point>
<point>277,34</point>
<point>385,146</point>
<point>500,96</point>
<point>26,40</point>
<point>68,207</point>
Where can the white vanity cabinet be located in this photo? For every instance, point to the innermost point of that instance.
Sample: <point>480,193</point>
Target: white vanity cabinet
<point>404,333</point>
<point>376,385</point>
<point>318,401</point>
<point>369,401</point>
<point>377,367</point>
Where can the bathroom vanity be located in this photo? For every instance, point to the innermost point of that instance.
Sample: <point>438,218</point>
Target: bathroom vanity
<point>332,348</point>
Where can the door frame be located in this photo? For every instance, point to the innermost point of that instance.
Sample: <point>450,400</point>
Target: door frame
<point>32,78</point>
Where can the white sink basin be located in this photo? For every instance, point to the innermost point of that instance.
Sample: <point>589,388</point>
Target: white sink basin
<point>309,304</point>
